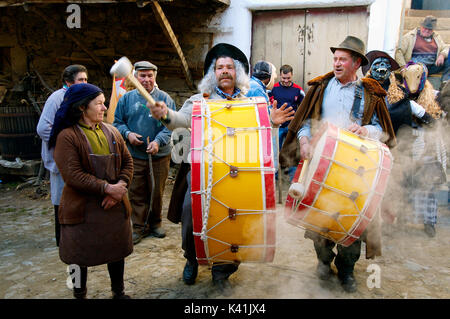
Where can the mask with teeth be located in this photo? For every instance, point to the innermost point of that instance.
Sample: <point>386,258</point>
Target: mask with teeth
<point>380,69</point>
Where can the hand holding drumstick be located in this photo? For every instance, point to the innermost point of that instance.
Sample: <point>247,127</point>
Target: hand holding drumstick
<point>159,110</point>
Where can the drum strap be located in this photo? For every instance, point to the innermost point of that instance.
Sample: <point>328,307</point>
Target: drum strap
<point>357,100</point>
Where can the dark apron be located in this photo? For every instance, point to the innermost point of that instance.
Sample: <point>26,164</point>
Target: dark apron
<point>105,236</point>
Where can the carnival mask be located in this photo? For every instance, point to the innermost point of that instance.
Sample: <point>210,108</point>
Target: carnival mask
<point>380,69</point>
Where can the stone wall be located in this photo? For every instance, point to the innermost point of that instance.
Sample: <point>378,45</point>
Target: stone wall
<point>29,41</point>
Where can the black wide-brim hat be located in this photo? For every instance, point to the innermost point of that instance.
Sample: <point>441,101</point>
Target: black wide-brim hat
<point>355,45</point>
<point>373,55</point>
<point>222,50</point>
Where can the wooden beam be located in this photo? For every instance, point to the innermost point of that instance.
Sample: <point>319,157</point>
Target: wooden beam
<point>5,3</point>
<point>225,2</point>
<point>165,25</point>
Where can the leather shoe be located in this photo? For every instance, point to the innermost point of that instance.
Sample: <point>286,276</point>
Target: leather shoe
<point>157,232</point>
<point>430,230</point>
<point>348,282</point>
<point>324,271</point>
<point>120,295</point>
<point>79,293</point>
<point>190,273</point>
<point>223,286</point>
<point>137,237</point>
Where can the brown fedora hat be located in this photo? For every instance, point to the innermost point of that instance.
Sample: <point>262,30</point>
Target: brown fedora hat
<point>355,45</point>
<point>373,55</point>
<point>429,22</point>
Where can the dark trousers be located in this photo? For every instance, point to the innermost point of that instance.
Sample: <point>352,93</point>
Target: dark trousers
<point>444,68</point>
<point>115,270</point>
<point>57,225</point>
<point>282,133</point>
<point>218,272</point>
<point>140,191</point>
<point>344,260</point>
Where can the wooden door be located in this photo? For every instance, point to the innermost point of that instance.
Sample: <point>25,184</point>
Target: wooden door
<point>277,37</point>
<point>302,38</point>
<point>328,28</point>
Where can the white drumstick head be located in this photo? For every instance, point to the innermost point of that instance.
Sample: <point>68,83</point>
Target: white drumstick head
<point>297,191</point>
<point>121,68</point>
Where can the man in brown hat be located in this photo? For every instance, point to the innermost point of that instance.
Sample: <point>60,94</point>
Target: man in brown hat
<point>226,77</point>
<point>355,104</point>
<point>426,46</point>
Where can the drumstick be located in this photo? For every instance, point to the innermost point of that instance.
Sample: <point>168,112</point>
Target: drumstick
<point>123,69</point>
<point>302,173</point>
<point>298,190</point>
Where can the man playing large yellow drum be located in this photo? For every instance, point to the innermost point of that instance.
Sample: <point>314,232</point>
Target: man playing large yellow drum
<point>356,105</point>
<point>226,78</point>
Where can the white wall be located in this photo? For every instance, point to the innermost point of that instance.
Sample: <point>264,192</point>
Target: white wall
<point>384,25</point>
<point>236,21</point>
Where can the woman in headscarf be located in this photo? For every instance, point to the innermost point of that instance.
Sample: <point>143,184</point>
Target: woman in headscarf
<point>97,169</point>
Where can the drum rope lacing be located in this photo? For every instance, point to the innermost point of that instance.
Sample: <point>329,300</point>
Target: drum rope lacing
<point>209,186</point>
<point>206,112</point>
<point>378,167</point>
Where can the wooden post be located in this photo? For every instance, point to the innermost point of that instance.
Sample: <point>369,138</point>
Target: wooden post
<point>165,25</point>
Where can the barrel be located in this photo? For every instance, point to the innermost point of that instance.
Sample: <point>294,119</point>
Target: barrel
<point>18,137</point>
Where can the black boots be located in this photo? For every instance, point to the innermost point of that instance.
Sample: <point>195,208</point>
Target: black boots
<point>118,291</point>
<point>346,278</point>
<point>430,230</point>
<point>348,282</point>
<point>324,271</point>
<point>120,295</point>
<point>80,293</point>
<point>190,273</point>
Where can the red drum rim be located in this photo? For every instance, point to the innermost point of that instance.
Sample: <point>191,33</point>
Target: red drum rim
<point>322,172</point>
<point>197,128</point>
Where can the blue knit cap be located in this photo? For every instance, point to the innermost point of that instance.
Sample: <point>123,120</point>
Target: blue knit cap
<point>262,70</point>
<point>74,93</point>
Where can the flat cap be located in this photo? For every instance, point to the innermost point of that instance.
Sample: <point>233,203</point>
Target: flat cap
<point>145,65</point>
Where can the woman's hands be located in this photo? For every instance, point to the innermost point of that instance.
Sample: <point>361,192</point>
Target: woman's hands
<point>114,194</point>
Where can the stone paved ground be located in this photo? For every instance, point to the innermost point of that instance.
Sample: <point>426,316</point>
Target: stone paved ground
<point>412,265</point>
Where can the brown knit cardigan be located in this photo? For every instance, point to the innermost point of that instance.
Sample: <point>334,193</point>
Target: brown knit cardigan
<point>71,157</point>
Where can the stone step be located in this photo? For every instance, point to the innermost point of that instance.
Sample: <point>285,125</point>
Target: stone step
<point>435,80</point>
<point>423,13</point>
<point>413,22</point>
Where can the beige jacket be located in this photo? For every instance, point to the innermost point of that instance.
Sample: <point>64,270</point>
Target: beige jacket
<point>404,51</point>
